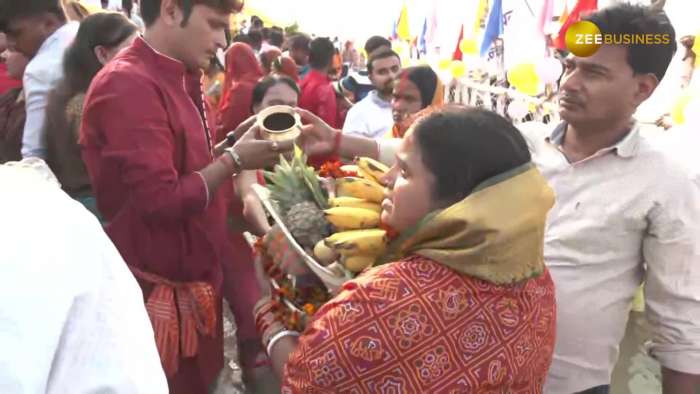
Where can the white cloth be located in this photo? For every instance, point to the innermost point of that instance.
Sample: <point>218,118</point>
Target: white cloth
<point>627,213</point>
<point>387,150</point>
<point>370,117</point>
<point>72,317</point>
<point>41,75</point>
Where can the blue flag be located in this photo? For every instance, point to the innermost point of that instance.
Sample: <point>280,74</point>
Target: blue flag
<point>422,45</point>
<point>494,26</point>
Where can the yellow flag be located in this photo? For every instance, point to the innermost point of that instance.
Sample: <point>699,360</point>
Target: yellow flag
<point>480,12</point>
<point>403,30</point>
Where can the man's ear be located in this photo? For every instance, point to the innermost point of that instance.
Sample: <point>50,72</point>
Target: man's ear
<point>171,13</point>
<point>646,84</point>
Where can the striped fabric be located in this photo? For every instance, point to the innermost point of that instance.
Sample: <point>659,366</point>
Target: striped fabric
<point>194,302</point>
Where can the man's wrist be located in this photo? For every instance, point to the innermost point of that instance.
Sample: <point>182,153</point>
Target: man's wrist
<point>234,159</point>
<point>337,139</point>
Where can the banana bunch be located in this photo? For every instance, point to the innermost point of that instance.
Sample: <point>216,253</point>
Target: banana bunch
<point>358,249</point>
<point>355,213</point>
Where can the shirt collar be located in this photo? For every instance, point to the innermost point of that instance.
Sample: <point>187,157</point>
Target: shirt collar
<point>625,148</point>
<point>164,62</point>
<point>66,32</point>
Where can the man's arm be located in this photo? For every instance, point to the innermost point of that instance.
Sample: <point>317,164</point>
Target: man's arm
<point>672,251</point>
<point>36,91</point>
<point>135,136</point>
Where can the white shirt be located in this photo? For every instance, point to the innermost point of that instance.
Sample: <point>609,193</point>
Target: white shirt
<point>628,213</point>
<point>40,77</point>
<point>370,117</point>
<point>72,317</point>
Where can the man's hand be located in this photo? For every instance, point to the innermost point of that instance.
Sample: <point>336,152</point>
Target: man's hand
<point>317,137</point>
<point>256,154</point>
<point>238,133</point>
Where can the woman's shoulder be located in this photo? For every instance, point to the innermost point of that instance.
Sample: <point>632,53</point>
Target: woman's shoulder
<point>425,275</point>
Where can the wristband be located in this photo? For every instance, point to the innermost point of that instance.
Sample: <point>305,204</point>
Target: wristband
<point>279,336</point>
<point>237,165</point>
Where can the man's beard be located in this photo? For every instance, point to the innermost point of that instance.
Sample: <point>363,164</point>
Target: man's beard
<point>387,89</point>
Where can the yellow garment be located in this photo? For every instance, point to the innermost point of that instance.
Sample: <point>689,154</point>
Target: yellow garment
<point>495,234</point>
<point>78,10</point>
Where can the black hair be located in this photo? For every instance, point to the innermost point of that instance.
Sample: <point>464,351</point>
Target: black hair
<point>384,54</point>
<point>265,84</point>
<point>240,37</point>
<point>150,9</point>
<point>256,21</point>
<point>299,41</point>
<point>255,38</point>
<point>80,65</point>
<point>321,51</point>
<point>376,42</point>
<point>16,9</point>
<point>464,146</point>
<point>276,38</point>
<point>640,21</point>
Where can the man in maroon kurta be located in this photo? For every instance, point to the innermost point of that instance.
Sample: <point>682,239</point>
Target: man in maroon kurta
<point>149,154</point>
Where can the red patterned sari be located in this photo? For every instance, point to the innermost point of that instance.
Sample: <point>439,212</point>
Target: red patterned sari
<point>416,326</point>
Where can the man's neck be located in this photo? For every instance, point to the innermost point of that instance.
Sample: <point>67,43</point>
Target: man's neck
<point>158,41</point>
<point>382,96</point>
<point>582,141</point>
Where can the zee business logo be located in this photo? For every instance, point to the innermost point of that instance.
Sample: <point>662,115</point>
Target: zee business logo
<point>584,38</point>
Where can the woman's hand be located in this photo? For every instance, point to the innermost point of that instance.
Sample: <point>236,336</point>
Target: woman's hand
<point>317,137</point>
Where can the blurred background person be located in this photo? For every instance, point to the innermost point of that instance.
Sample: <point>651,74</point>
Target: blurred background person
<point>417,90</point>
<point>242,73</point>
<point>372,116</point>
<point>100,37</point>
<point>12,115</point>
<point>7,82</point>
<point>299,51</point>
<point>40,31</point>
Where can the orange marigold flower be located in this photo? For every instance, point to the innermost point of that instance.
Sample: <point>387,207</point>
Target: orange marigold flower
<point>391,233</point>
<point>310,309</point>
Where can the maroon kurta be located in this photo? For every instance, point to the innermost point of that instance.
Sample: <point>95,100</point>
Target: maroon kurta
<point>144,139</point>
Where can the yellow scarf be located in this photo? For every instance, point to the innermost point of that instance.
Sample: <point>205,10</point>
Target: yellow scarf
<point>495,234</point>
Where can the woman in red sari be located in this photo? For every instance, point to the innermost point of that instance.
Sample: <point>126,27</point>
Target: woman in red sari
<point>462,302</point>
<point>242,74</point>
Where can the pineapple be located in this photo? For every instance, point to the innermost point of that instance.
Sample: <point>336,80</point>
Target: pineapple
<point>296,190</point>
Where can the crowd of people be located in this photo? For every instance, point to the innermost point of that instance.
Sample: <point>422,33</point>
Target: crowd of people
<point>129,149</point>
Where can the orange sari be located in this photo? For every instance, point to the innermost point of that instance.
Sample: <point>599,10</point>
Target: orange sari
<point>416,326</point>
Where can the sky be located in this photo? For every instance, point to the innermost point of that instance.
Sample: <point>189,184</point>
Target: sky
<point>359,19</point>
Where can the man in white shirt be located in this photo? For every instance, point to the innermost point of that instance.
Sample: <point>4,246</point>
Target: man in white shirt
<point>72,318</point>
<point>371,117</point>
<point>626,211</point>
<point>37,29</point>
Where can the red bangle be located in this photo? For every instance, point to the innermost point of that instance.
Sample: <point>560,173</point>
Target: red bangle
<point>336,143</point>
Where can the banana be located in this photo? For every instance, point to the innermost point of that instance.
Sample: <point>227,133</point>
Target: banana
<point>370,241</point>
<point>352,218</point>
<point>358,262</point>
<point>350,168</point>
<point>360,188</point>
<point>372,167</point>
<point>354,202</point>
<point>324,254</point>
